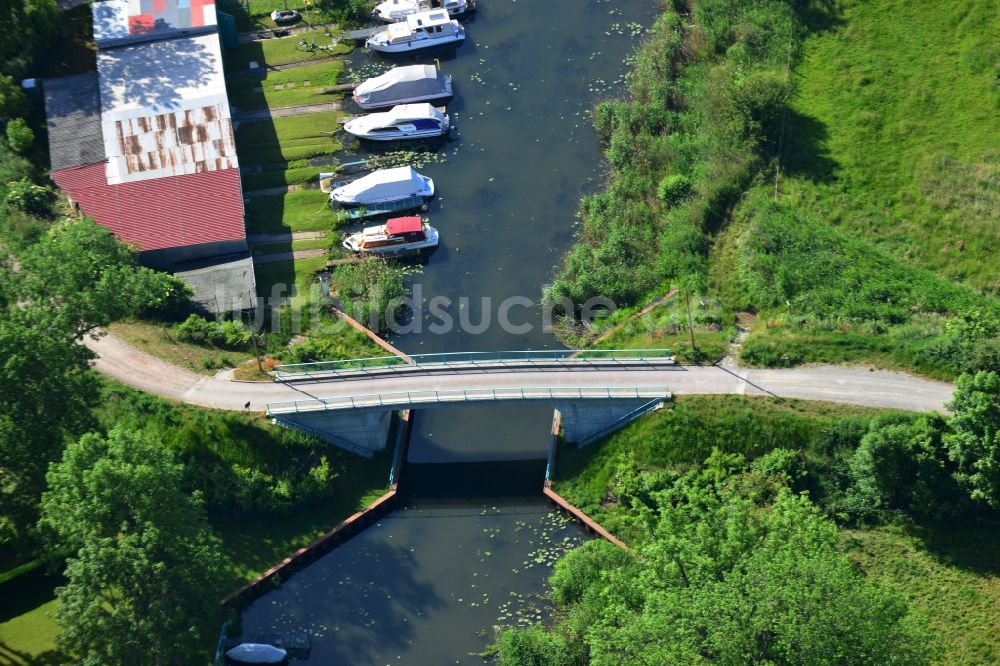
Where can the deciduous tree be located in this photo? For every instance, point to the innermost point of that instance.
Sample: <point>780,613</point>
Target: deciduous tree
<point>974,440</point>
<point>140,576</point>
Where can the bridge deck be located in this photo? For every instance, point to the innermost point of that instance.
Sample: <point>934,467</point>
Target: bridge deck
<point>433,397</point>
<point>321,371</point>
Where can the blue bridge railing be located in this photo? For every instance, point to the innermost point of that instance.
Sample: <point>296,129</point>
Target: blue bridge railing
<point>291,371</point>
<point>405,399</point>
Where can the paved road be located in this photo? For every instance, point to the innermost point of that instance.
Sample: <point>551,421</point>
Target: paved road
<point>845,384</point>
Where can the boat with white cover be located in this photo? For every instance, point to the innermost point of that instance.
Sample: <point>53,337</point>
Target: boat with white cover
<point>419,31</point>
<point>398,237</point>
<point>406,121</point>
<point>403,85</point>
<point>383,186</point>
<point>257,653</point>
<point>391,11</point>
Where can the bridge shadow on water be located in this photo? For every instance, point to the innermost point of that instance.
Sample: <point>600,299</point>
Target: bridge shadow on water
<point>472,480</point>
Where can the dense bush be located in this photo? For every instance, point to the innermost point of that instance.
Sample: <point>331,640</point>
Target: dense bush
<point>25,195</point>
<point>673,188</point>
<point>693,132</point>
<point>228,334</point>
<point>238,464</point>
<point>20,137</point>
<point>721,578</point>
<point>372,291</point>
<point>902,466</point>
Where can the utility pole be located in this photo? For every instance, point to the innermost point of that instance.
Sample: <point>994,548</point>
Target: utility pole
<point>687,299</point>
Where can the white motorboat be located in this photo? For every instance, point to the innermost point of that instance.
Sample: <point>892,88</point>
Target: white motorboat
<point>399,237</point>
<point>419,31</point>
<point>406,121</point>
<point>384,186</point>
<point>257,653</point>
<point>392,11</point>
<point>403,85</point>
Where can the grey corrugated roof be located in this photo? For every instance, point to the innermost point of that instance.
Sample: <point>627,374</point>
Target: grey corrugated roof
<point>73,113</point>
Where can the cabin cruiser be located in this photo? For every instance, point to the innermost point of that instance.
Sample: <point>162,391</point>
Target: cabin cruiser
<point>399,237</point>
<point>384,186</point>
<point>391,11</point>
<point>419,31</point>
<point>406,121</point>
<point>403,85</point>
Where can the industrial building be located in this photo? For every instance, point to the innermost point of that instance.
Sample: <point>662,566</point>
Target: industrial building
<point>145,145</point>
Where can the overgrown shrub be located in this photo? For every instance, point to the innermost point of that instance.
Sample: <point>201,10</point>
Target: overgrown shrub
<point>228,334</point>
<point>20,137</point>
<point>673,188</point>
<point>29,197</point>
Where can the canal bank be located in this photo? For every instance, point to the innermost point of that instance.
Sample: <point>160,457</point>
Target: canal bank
<point>475,539</point>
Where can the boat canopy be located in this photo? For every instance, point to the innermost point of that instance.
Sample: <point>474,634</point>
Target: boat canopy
<point>384,185</point>
<point>257,653</point>
<point>408,113</point>
<point>401,83</point>
<point>428,19</point>
<point>404,225</point>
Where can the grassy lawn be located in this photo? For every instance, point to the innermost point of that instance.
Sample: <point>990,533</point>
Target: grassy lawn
<point>298,172</point>
<point>665,327</point>
<point>950,574</point>
<point>286,139</point>
<point>783,341</point>
<point>157,340</point>
<point>284,50</point>
<point>895,133</point>
<point>282,274</point>
<point>288,87</point>
<point>277,248</point>
<point>302,210</point>
<point>252,544</point>
<point>321,11</point>
<point>29,638</point>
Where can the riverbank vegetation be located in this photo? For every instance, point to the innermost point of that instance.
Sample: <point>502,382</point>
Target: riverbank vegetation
<point>768,159</point>
<point>905,502</point>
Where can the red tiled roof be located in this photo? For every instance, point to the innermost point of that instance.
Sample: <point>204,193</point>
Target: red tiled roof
<point>161,213</point>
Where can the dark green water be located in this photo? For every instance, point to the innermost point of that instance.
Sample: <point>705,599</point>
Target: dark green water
<point>476,542</point>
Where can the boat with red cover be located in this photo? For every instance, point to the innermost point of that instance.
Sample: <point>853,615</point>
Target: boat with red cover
<point>398,237</point>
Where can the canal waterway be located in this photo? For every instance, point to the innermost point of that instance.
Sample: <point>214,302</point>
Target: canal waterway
<point>475,542</point>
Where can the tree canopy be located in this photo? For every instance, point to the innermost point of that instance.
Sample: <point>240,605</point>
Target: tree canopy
<point>722,579</point>
<point>76,279</point>
<point>140,576</point>
<point>974,440</point>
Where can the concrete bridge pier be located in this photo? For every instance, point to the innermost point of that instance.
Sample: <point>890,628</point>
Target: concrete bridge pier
<point>586,421</point>
<point>361,431</point>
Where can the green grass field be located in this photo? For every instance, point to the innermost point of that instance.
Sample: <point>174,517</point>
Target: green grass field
<point>895,134</point>
<point>284,140</point>
<point>302,210</point>
<point>284,274</point>
<point>288,87</point>
<point>285,50</point>
<point>950,573</point>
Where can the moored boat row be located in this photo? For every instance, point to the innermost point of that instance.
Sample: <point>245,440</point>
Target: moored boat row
<point>401,100</point>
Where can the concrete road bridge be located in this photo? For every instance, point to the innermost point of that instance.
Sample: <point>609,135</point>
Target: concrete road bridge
<point>360,422</point>
<point>314,393</point>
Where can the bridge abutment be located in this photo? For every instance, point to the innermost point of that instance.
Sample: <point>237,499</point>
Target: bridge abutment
<point>361,431</point>
<point>585,421</point>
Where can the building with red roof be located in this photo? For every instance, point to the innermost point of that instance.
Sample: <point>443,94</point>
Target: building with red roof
<point>145,146</point>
